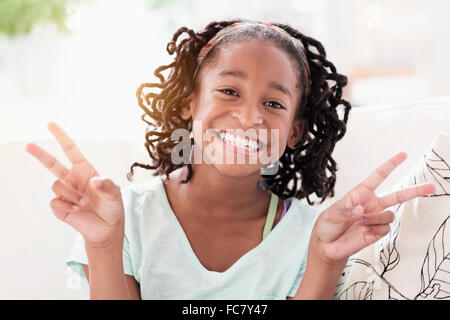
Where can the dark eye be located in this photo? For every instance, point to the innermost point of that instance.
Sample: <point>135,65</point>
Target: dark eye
<point>228,90</point>
<point>278,106</point>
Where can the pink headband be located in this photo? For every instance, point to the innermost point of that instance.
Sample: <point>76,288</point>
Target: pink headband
<point>219,35</point>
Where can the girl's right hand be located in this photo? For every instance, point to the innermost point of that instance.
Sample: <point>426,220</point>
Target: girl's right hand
<point>100,219</point>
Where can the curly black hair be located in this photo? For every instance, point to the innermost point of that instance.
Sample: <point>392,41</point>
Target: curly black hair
<point>308,160</point>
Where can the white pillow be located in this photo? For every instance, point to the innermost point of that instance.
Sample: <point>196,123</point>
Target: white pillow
<point>413,260</point>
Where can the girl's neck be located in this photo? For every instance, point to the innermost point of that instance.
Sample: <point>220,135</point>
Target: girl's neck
<point>213,195</point>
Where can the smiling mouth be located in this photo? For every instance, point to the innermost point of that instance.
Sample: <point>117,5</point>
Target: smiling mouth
<point>251,145</point>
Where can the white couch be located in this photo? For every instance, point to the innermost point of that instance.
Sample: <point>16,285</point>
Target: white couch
<point>34,244</point>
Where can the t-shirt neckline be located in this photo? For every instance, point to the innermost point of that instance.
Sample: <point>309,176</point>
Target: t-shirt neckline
<point>192,257</point>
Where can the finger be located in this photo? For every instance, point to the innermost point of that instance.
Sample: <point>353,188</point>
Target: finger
<point>79,219</point>
<point>62,208</point>
<point>335,221</point>
<point>342,215</point>
<point>67,144</point>
<point>406,195</point>
<point>49,161</point>
<point>374,233</point>
<point>384,217</point>
<point>68,193</point>
<point>377,229</point>
<point>383,171</point>
<point>107,188</point>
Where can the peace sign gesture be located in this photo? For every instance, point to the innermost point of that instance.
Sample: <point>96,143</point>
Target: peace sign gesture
<point>99,216</point>
<point>358,219</point>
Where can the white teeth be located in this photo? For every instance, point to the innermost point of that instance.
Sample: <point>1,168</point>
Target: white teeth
<point>238,141</point>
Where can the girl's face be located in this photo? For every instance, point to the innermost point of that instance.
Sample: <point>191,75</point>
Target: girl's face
<point>251,89</point>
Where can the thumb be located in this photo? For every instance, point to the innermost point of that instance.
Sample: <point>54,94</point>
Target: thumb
<point>106,188</point>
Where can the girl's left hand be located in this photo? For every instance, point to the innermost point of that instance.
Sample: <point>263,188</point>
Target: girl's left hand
<point>358,219</point>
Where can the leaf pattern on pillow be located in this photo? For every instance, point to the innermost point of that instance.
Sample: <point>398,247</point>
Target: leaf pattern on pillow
<point>436,266</point>
<point>439,169</point>
<point>361,290</point>
<point>389,256</point>
<point>357,291</point>
<point>343,278</point>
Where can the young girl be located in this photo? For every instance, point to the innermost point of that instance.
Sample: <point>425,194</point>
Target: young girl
<point>215,230</point>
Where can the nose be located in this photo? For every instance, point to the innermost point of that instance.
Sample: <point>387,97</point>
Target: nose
<point>248,116</point>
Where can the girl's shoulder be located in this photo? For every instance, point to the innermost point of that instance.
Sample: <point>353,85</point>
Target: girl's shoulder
<point>144,203</point>
<point>151,184</point>
<point>302,212</point>
<point>142,197</point>
<point>304,206</point>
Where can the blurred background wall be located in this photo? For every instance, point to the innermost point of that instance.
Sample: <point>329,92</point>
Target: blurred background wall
<point>83,67</point>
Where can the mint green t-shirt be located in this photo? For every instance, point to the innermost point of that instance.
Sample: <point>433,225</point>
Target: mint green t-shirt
<point>158,255</point>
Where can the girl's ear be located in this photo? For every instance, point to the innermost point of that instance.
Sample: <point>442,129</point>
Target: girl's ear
<point>187,107</point>
<point>295,134</point>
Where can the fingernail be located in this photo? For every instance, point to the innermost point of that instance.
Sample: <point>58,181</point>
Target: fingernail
<point>75,207</point>
<point>83,200</point>
<point>97,181</point>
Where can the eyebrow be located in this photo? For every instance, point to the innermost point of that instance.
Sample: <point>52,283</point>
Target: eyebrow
<point>243,75</point>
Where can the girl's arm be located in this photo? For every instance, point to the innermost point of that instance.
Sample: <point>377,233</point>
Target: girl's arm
<point>92,206</point>
<point>133,285</point>
<point>107,277</point>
